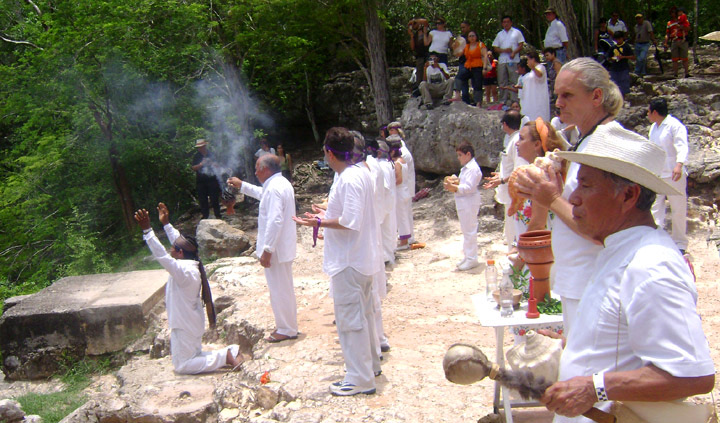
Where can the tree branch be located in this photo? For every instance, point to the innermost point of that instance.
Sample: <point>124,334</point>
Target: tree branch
<point>7,40</point>
<point>37,9</point>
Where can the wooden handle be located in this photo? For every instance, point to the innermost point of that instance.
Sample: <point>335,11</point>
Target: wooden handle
<point>599,416</point>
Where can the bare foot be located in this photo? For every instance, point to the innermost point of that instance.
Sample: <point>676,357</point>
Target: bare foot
<point>236,361</point>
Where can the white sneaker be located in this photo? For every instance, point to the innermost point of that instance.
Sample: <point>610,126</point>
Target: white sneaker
<point>460,263</point>
<point>468,264</point>
<point>344,389</point>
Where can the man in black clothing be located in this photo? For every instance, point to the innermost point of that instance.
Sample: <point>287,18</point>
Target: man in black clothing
<point>418,31</point>
<point>206,181</point>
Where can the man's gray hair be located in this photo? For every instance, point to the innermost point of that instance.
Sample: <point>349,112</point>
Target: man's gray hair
<point>593,75</point>
<point>270,161</point>
<point>646,197</point>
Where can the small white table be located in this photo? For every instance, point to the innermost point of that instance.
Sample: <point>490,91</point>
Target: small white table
<point>489,316</point>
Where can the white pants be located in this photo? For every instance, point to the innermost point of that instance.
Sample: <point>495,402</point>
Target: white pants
<point>510,229</point>
<point>403,207</point>
<point>678,211</point>
<point>282,296</point>
<point>467,210</point>
<point>388,232</point>
<point>569,312</point>
<point>379,292</point>
<point>188,357</point>
<point>355,323</point>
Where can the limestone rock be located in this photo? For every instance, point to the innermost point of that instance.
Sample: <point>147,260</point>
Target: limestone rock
<point>266,397</point>
<point>218,239</point>
<point>433,134</point>
<point>32,418</point>
<point>10,411</point>
<point>77,316</point>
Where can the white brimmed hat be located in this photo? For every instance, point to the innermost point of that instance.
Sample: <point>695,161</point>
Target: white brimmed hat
<point>200,143</point>
<point>614,149</point>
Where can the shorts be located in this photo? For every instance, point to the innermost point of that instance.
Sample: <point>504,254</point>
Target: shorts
<point>490,81</point>
<point>679,50</point>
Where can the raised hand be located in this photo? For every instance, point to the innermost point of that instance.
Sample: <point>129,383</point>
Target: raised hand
<point>142,217</point>
<point>163,213</point>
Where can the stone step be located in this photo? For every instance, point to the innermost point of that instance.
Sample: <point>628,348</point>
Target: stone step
<point>74,317</point>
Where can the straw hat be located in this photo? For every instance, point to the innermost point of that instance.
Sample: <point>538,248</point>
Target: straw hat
<point>614,149</point>
<point>200,143</point>
<point>550,10</point>
<point>713,36</point>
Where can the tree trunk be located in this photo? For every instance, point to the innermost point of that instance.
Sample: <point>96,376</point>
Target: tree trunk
<point>567,15</point>
<point>104,120</point>
<point>310,110</point>
<point>378,62</point>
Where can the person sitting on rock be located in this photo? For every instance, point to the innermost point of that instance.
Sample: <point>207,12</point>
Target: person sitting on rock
<point>436,83</point>
<point>186,290</point>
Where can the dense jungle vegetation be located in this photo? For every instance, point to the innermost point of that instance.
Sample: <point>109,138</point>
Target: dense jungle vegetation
<point>101,101</point>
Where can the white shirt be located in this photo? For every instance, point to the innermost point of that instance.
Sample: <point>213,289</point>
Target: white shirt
<point>640,272</point>
<point>470,178</point>
<point>671,136</point>
<point>619,26</point>
<point>379,189</point>
<point>509,161</point>
<point>556,34</point>
<point>262,152</point>
<point>508,39</point>
<point>350,201</point>
<point>432,70</point>
<point>440,41</point>
<point>388,170</point>
<point>277,233</point>
<point>574,255</point>
<point>534,96</point>
<point>184,306</point>
<point>407,156</point>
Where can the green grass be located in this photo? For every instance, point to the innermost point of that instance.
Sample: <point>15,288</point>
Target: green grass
<point>55,406</point>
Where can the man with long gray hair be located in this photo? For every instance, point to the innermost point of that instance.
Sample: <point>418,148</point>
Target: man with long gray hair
<point>588,99</point>
<point>276,241</point>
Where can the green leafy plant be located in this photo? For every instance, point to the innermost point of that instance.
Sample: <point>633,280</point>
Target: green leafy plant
<point>520,279</point>
<point>550,306</point>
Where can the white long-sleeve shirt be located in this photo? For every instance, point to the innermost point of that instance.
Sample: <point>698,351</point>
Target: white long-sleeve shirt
<point>509,161</point>
<point>470,178</point>
<point>277,233</point>
<point>182,292</point>
<point>639,308</point>
<point>671,136</point>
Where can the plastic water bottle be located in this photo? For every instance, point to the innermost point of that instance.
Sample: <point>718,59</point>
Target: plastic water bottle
<point>490,279</point>
<point>506,294</point>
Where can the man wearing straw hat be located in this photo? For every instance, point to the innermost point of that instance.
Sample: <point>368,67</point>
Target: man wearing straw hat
<point>205,180</point>
<point>638,335</point>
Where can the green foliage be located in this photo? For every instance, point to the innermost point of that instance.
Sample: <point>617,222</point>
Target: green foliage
<point>76,376</point>
<point>549,305</point>
<point>520,278</point>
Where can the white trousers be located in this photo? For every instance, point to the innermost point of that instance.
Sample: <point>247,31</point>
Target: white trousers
<point>678,211</point>
<point>355,322</point>
<point>569,312</point>
<point>188,358</point>
<point>388,232</point>
<point>510,229</point>
<point>403,207</point>
<point>282,296</point>
<point>379,292</point>
<point>467,215</point>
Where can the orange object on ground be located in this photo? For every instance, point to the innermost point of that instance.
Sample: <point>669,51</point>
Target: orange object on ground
<point>265,378</point>
<point>417,245</point>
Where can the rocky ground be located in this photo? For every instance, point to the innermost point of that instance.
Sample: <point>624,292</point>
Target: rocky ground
<point>428,308</point>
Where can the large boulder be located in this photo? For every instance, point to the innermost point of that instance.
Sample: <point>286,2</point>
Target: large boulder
<point>433,134</point>
<point>218,239</point>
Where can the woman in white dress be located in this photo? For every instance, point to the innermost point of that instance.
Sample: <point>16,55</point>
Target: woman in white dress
<point>534,97</point>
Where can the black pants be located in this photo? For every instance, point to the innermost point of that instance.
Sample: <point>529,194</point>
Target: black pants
<point>474,74</point>
<point>209,189</point>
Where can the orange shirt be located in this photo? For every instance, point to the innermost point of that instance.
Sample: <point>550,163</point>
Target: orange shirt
<point>474,57</point>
